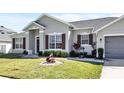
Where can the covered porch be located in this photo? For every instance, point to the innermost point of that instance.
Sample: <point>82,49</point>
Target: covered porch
<point>35,38</point>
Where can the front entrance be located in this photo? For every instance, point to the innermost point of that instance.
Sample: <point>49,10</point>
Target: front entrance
<point>37,44</point>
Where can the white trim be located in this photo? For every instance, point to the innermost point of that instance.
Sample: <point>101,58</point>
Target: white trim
<point>114,35</point>
<point>81,40</point>
<point>83,28</point>
<point>39,25</point>
<point>54,34</point>
<point>19,43</point>
<point>19,49</point>
<point>109,24</point>
<point>31,24</point>
<point>85,45</point>
<point>21,33</point>
<point>55,19</point>
<point>84,33</point>
<point>54,49</point>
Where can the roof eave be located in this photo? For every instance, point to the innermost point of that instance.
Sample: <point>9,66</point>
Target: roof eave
<point>109,24</point>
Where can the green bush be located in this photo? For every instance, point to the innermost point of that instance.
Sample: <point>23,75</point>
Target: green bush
<point>89,56</point>
<point>100,53</point>
<point>11,55</point>
<point>47,53</point>
<point>83,54</point>
<point>94,53</point>
<point>64,54</point>
<point>40,53</point>
<point>73,54</point>
<point>56,53</point>
<point>25,52</point>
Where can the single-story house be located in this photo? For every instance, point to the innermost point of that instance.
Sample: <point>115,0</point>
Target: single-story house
<point>5,39</point>
<point>50,33</point>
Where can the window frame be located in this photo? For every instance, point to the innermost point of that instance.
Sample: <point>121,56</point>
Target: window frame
<point>84,39</point>
<point>55,41</point>
<point>19,43</point>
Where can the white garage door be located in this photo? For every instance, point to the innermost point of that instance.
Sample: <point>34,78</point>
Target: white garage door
<point>114,47</point>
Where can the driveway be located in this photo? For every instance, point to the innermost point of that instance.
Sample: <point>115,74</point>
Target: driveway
<point>113,69</point>
<point>114,62</point>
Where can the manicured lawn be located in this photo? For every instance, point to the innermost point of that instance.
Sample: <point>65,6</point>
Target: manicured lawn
<point>30,69</point>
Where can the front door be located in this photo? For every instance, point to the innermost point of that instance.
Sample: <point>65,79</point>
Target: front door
<point>37,44</point>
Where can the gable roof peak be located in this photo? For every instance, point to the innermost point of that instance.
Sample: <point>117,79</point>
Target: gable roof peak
<point>55,18</point>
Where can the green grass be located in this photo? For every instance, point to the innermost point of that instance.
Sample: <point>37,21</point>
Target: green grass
<point>31,69</point>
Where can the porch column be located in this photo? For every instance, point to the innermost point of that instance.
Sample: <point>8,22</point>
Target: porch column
<point>42,40</point>
<point>27,41</point>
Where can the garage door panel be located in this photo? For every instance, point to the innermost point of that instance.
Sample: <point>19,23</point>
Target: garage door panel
<point>114,47</point>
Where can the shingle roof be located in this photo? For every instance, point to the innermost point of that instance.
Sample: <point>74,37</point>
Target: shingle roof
<point>5,37</point>
<point>2,28</point>
<point>95,23</point>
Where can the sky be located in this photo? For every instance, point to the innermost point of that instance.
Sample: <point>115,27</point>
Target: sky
<point>17,21</point>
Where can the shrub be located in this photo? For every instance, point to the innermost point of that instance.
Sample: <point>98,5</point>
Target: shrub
<point>94,53</point>
<point>40,53</point>
<point>84,54</point>
<point>56,53</point>
<point>100,53</point>
<point>46,53</point>
<point>73,54</point>
<point>64,54</point>
<point>25,52</point>
<point>11,55</point>
<point>89,56</point>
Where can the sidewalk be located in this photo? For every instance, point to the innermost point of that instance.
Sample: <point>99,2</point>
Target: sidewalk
<point>112,72</point>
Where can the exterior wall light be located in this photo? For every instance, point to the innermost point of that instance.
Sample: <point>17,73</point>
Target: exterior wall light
<point>100,39</point>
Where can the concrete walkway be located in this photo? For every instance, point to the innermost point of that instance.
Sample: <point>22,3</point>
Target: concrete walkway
<point>112,72</point>
<point>92,60</point>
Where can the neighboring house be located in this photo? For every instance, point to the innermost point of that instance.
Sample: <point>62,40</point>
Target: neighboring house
<point>50,33</point>
<point>5,40</point>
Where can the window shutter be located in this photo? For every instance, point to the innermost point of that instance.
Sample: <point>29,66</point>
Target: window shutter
<point>24,43</point>
<point>90,39</point>
<point>46,41</point>
<point>13,43</point>
<point>63,41</point>
<point>79,39</point>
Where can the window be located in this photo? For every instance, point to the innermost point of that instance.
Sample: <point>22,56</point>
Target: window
<point>84,39</point>
<point>2,48</point>
<point>55,41</point>
<point>2,33</point>
<point>19,43</point>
